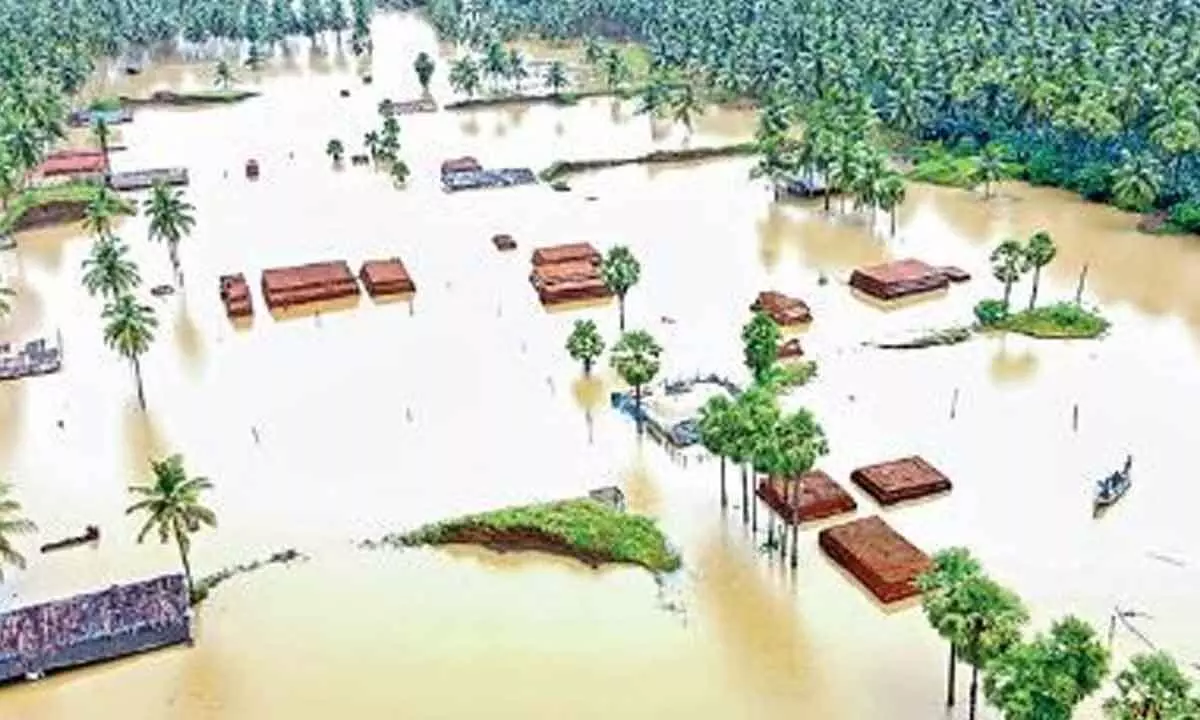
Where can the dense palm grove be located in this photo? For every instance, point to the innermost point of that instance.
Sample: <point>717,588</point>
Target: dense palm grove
<point>1098,96</point>
<point>49,48</point>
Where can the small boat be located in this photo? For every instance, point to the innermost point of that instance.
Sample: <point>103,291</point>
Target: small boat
<point>1113,488</point>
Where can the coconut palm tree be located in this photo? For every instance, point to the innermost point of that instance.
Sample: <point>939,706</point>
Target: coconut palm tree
<point>373,144</point>
<point>424,67</point>
<point>1151,688</point>
<point>103,134</point>
<point>11,523</point>
<point>6,296</point>
<point>336,150</point>
<point>946,603</point>
<point>585,344</point>
<point>172,506</point>
<point>223,75</point>
<point>1137,182</point>
<point>464,76</point>
<point>515,68</point>
<point>653,97</point>
<point>616,69</point>
<point>802,441</point>
<point>129,330</point>
<point>990,168</point>
<point>108,272</point>
<point>103,207</point>
<point>400,171</point>
<point>716,427</point>
<point>620,271</point>
<point>891,193</point>
<point>636,358</point>
<point>495,63</point>
<point>171,220</point>
<point>1039,252</point>
<point>1008,264</point>
<point>556,77</point>
<point>684,105</point>
<point>755,413</point>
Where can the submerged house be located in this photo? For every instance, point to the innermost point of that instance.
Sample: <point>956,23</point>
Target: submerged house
<point>93,627</point>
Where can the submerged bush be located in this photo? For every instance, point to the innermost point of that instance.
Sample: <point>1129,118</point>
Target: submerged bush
<point>990,312</point>
<point>1185,217</point>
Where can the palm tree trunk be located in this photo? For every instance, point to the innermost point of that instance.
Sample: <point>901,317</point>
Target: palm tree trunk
<point>795,524</point>
<point>1007,294</point>
<point>745,499</point>
<point>1037,272</point>
<point>724,494</point>
<point>950,682</point>
<point>137,376</point>
<point>974,692</point>
<point>754,505</point>
<point>637,403</point>
<point>187,566</point>
<point>621,310</point>
<point>893,214</point>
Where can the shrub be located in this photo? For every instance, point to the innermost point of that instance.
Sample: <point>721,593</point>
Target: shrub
<point>1043,169</point>
<point>1185,216</point>
<point>1093,181</point>
<point>990,312</point>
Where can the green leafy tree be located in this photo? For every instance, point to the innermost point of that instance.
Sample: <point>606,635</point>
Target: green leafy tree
<point>801,441</point>
<point>173,508</point>
<point>995,618</point>
<point>760,345</point>
<point>1008,264</point>
<point>223,75</point>
<point>400,171</point>
<point>1046,678</point>
<point>515,68</point>
<point>424,67</point>
<point>171,220</point>
<point>1151,688</point>
<point>585,344</point>
<point>495,62</point>
<point>108,272</point>
<point>338,20</point>
<point>616,69</point>
<point>755,412</point>
<point>556,77</point>
<point>129,329</point>
<point>990,168</point>
<point>464,76</point>
<point>716,425</point>
<point>946,602</point>
<point>12,523</point>
<point>336,150</point>
<point>1039,252</point>
<point>103,134</point>
<point>373,144</point>
<point>636,358</point>
<point>685,105</point>
<point>620,271</point>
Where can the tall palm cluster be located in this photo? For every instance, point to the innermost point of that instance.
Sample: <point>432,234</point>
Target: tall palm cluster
<point>50,47</point>
<point>1098,96</point>
<point>496,65</point>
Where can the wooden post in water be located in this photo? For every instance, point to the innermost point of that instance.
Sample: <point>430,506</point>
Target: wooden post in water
<point>1075,418</point>
<point>954,404</point>
<point>1082,279</point>
<point>754,510</point>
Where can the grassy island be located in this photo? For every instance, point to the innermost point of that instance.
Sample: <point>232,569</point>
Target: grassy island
<point>583,529</point>
<point>59,202</point>
<point>1058,321</point>
<point>563,168</point>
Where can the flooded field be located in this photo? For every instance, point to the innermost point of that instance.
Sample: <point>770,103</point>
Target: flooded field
<point>499,415</point>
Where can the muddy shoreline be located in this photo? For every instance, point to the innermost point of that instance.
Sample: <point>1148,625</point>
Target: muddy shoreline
<point>563,168</point>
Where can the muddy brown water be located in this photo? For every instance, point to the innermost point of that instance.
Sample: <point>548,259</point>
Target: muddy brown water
<point>499,416</point>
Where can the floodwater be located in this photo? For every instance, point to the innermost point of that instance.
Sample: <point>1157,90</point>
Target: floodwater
<point>500,416</point>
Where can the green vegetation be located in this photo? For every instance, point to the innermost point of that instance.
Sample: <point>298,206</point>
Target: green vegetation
<point>171,504</point>
<point>80,192</point>
<point>563,168</point>
<point>105,104</point>
<point>760,345</point>
<point>1010,261</point>
<point>208,583</point>
<point>216,96</point>
<point>963,166</point>
<point>584,529</point>
<point>934,338</point>
<point>11,523</point>
<point>620,271</point>
<point>1093,99</point>
<point>1061,320</point>
<point>1152,688</point>
<point>6,296</point>
<point>171,220</point>
<point>585,344</point>
<point>636,358</point>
